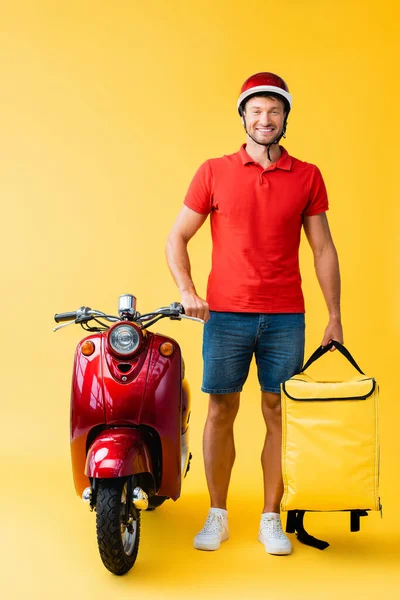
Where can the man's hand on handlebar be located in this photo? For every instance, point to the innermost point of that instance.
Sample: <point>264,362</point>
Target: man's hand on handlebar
<point>195,306</point>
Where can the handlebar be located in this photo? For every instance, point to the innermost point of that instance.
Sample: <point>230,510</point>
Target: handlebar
<point>67,316</point>
<point>174,311</point>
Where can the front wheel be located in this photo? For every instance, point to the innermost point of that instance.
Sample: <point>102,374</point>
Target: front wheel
<point>117,536</point>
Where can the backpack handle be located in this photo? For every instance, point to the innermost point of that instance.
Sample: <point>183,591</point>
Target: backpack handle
<point>324,349</point>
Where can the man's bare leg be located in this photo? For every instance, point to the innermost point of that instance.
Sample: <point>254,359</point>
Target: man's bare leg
<point>271,533</point>
<point>219,456</point>
<point>219,446</point>
<point>271,454</point>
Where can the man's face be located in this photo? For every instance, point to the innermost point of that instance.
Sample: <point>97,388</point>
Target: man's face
<point>264,119</point>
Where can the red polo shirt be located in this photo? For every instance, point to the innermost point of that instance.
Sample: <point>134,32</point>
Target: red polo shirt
<point>256,219</point>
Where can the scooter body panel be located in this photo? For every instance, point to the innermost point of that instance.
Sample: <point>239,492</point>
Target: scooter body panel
<point>119,453</point>
<point>152,399</point>
<point>162,410</point>
<point>150,396</point>
<point>87,406</point>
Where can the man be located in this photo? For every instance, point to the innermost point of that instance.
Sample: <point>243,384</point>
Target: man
<point>258,200</point>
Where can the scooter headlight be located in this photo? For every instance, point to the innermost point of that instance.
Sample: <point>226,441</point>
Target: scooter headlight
<point>124,339</point>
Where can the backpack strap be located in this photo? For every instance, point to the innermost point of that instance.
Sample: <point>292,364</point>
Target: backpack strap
<point>355,519</point>
<point>324,349</point>
<point>294,524</point>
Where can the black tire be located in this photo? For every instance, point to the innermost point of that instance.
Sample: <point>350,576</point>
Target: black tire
<point>156,501</point>
<point>118,544</point>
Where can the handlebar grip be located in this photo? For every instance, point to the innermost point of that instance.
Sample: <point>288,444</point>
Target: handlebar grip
<point>67,316</point>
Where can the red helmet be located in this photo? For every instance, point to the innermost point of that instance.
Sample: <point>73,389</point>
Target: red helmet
<point>264,82</point>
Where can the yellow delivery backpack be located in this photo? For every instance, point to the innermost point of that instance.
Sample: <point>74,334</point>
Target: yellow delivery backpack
<point>330,446</point>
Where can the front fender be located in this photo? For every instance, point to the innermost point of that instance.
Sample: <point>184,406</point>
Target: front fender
<point>118,453</point>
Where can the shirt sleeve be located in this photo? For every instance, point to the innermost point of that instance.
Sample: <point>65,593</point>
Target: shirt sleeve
<point>318,197</point>
<point>199,194</point>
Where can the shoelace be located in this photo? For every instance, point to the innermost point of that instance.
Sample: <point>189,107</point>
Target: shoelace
<point>274,528</point>
<point>214,524</point>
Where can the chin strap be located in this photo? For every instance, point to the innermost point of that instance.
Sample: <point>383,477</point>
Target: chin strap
<point>278,139</point>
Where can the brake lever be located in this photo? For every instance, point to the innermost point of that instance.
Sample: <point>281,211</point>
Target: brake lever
<point>192,318</point>
<point>180,316</point>
<point>64,325</point>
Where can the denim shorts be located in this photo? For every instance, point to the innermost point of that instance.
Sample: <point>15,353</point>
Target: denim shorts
<point>230,339</point>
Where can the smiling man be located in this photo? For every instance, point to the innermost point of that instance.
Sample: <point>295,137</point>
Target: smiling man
<point>258,200</point>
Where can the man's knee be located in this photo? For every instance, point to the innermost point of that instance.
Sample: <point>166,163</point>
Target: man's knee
<point>223,408</point>
<point>271,408</point>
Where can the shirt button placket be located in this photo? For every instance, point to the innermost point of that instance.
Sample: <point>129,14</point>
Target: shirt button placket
<point>264,178</point>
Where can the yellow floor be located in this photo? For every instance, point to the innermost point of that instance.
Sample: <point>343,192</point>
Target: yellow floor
<point>49,549</point>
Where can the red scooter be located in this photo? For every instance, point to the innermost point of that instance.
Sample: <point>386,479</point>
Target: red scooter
<point>130,410</point>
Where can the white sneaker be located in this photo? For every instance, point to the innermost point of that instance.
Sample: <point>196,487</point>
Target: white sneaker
<point>272,535</point>
<point>214,532</point>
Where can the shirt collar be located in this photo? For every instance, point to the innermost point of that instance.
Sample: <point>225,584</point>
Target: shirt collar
<point>284,161</point>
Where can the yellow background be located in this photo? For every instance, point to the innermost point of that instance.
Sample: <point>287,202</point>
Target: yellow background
<point>107,110</point>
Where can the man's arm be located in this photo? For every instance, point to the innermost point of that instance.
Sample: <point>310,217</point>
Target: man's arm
<point>326,265</point>
<point>184,228</point>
